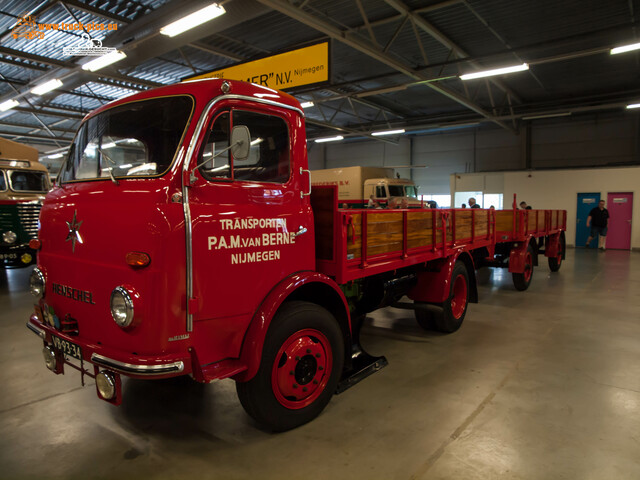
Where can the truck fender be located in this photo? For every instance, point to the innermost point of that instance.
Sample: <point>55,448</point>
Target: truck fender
<point>518,252</point>
<point>308,286</point>
<point>434,284</point>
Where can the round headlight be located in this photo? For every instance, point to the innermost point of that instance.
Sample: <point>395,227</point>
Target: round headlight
<point>9,237</point>
<point>106,385</point>
<point>36,283</point>
<point>121,307</point>
<point>50,358</point>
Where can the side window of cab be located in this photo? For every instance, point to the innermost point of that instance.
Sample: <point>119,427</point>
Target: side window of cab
<point>268,160</point>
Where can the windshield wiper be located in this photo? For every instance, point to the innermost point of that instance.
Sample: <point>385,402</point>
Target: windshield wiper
<point>113,179</point>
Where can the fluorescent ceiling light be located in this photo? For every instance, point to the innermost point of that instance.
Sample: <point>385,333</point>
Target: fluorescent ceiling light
<point>104,60</point>
<point>257,141</point>
<point>388,132</point>
<point>307,104</point>
<point>46,87</point>
<point>55,155</point>
<point>8,105</point>
<point>191,21</point>
<point>625,48</point>
<point>551,115</point>
<point>329,139</point>
<point>108,145</point>
<point>496,71</point>
<point>634,105</point>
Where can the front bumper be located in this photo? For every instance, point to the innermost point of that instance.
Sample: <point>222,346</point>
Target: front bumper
<point>135,366</point>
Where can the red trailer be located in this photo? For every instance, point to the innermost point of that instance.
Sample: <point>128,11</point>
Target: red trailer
<point>182,238</point>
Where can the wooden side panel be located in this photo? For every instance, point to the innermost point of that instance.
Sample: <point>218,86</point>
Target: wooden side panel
<point>463,223</point>
<point>481,222</point>
<point>354,236</point>
<point>384,232</point>
<point>322,203</point>
<point>531,221</point>
<point>541,221</point>
<point>504,220</point>
<point>420,229</point>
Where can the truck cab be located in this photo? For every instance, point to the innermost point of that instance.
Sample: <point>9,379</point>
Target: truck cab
<point>23,184</point>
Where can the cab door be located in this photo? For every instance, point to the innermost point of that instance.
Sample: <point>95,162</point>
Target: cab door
<point>251,226</point>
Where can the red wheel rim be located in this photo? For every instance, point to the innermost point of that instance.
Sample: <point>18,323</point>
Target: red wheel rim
<point>528,267</point>
<point>459,297</point>
<point>301,369</point>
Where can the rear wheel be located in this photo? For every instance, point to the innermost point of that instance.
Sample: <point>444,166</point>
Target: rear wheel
<point>425,318</point>
<point>556,262</point>
<point>301,364</point>
<point>454,307</point>
<point>522,280</point>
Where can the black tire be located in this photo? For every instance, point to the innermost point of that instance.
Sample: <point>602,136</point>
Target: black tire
<point>522,280</point>
<point>300,368</point>
<point>425,318</point>
<point>455,306</point>
<point>556,262</point>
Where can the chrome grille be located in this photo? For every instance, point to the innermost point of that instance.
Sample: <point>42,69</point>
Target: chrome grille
<point>6,218</point>
<point>29,214</point>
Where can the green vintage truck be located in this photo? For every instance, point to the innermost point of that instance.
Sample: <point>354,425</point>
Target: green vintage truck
<point>23,184</point>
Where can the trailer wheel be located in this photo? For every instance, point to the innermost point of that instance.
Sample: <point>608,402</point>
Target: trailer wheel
<point>556,262</point>
<point>454,307</point>
<point>300,367</point>
<point>522,280</point>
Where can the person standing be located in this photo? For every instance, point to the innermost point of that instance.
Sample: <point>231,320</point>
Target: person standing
<point>472,203</point>
<point>598,220</point>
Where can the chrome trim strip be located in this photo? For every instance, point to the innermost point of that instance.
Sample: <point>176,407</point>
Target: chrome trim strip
<point>36,330</point>
<point>162,369</point>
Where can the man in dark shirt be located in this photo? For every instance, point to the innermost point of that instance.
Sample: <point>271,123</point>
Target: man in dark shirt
<point>598,219</point>
<point>472,203</point>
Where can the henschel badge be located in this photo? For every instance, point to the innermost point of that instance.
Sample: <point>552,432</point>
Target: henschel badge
<point>74,234</point>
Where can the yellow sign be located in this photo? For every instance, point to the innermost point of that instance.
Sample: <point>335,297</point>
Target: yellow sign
<point>287,70</point>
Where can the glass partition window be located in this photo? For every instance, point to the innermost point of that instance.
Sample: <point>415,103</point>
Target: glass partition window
<point>268,159</point>
<point>134,139</point>
<point>3,181</point>
<point>26,181</point>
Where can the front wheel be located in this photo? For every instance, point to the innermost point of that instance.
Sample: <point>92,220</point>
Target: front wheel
<point>300,368</point>
<point>522,280</point>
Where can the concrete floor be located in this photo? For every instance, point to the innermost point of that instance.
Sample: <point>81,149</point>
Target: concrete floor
<point>542,384</point>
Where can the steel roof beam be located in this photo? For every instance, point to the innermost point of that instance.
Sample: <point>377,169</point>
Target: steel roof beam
<point>368,49</point>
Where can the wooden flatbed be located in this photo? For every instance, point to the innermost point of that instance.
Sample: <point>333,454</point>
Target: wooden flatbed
<point>357,243</point>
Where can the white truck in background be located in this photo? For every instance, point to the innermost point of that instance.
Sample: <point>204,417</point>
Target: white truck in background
<point>357,184</point>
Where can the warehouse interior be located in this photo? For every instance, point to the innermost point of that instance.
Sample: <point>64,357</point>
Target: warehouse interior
<point>535,385</point>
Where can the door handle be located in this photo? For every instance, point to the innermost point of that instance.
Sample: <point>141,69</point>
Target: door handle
<point>300,231</point>
<point>302,194</point>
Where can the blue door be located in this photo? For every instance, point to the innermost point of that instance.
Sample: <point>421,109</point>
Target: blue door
<point>586,201</point>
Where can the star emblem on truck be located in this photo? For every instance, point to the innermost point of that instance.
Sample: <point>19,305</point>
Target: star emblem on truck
<point>74,234</point>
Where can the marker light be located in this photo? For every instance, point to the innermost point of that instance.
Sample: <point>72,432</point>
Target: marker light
<point>106,385</point>
<point>193,20</point>
<point>35,244</point>
<point>137,259</point>
<point>46,87</point>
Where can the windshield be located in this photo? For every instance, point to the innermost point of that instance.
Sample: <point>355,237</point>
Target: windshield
<point>411,190</point>
<point>135,139</point>
<point>3,182</point>
<point>25,181</point>
<point>396,190</point>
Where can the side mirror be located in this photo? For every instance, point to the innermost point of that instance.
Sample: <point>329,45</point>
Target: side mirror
<point>240,142</point>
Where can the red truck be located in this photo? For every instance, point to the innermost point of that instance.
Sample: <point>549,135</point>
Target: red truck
<point>182,238</point>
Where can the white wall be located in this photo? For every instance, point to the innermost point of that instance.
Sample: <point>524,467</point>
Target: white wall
<point>558,189</point>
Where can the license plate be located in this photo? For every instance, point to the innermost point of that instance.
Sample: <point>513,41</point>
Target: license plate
<point>67,347</point>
